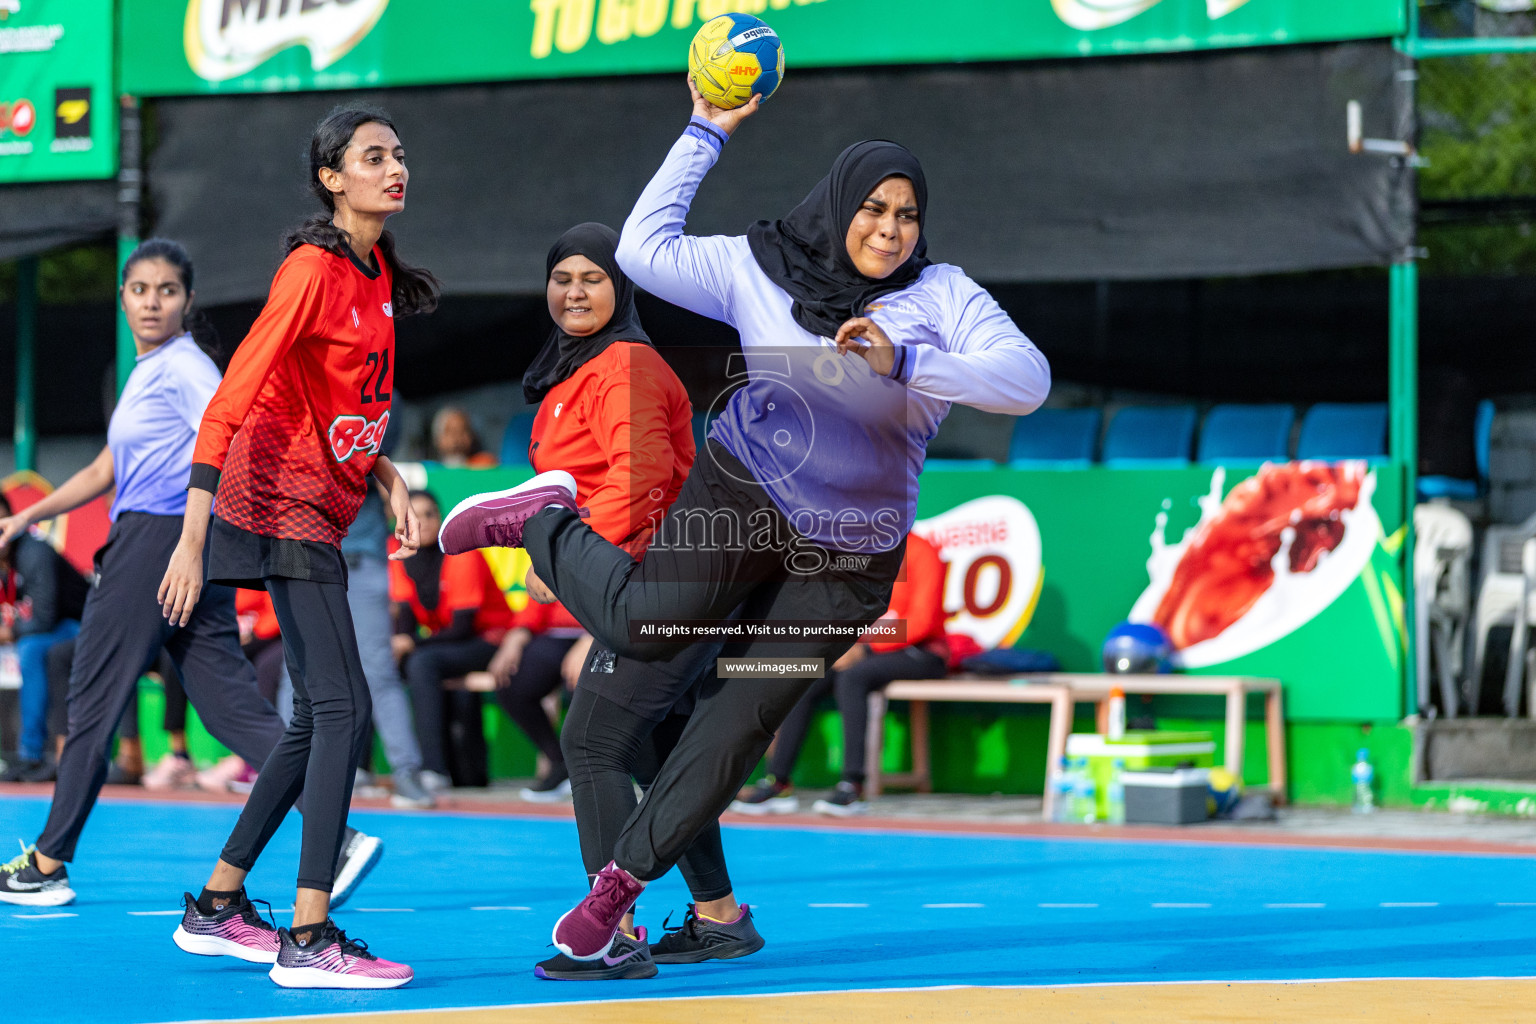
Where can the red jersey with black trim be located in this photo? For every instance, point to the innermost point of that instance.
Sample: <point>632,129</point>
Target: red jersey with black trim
<point>622,426</point>
<point>298,420</point>
<point>464,582</point>
<point>917,597</point>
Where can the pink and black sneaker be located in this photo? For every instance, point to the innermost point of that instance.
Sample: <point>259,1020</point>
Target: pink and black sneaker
<point>587,932</point>
<point>495,519</point>
<point>238,930</point>
<point>333,961</point>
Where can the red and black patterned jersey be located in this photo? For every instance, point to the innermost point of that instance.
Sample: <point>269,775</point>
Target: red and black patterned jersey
<point>298,420</point>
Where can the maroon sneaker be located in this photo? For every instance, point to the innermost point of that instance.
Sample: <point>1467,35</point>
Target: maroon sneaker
<point>495,519</point>
<point>587,932</point>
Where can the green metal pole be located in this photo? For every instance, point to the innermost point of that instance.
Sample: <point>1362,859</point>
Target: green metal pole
<point>129,194</point>
<point>26,347</point>
<point>1404,398</point>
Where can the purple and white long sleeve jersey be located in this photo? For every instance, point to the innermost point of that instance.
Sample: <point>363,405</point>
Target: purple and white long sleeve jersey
<point>154,427</point>
<point>837,447</point>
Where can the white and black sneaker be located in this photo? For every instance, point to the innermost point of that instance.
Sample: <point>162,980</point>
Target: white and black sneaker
<point>846,801</point>
<point>768,795</point>
<point>359,854</point>
<point>23,884</point>
<point>552,786</point>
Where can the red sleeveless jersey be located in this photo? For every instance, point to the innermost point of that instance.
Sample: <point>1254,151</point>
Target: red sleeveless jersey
<point>297,423</point>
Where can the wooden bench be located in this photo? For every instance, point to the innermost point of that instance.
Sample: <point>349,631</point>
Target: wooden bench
<point>1063,690</point>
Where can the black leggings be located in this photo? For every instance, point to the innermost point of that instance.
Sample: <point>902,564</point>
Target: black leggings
<point>424,670</point>
<point>852,687</point>
<point>605,743</point>
<point>537,676</point>
<point>320,750</point>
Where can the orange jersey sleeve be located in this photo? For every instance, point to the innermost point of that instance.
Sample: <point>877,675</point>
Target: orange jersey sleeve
<point>917,597</point>
<point>294,306</point>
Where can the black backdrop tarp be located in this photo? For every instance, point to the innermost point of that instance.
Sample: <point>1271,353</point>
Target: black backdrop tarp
<point>36,218</point>
<point>1194,165</point>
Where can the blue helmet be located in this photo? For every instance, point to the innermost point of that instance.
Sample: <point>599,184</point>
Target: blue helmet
<point>1137,647</point>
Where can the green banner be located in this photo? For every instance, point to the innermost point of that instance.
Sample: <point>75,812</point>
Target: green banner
<point>177,47</point>
<point>58,121</point>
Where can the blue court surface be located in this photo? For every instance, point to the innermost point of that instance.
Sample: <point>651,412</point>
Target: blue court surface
<point>468,901</point>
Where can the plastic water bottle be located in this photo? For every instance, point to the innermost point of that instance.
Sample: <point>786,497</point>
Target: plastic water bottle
<point>1114,795</point>
<point>1362,775</point>
<point>1085,798</point>
<point>1063,788</point>
<point>1115,725</point>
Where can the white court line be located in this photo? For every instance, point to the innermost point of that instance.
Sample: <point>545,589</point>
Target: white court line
<point>1294,906</point>
<point>1410,904</point>
<point>947,906</point>
<point>155,913</point>
<point>1515,904</point>
<point>43,917</point>
<point>385,910</point>
<point>1181,906</point>
<point>837,905</point>
<point>1067,906</point>
<point>500,908</point>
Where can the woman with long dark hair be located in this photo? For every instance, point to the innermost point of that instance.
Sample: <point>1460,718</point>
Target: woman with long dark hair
<point>147,458</point>
<point>287,445</point>
<point>797,510</point>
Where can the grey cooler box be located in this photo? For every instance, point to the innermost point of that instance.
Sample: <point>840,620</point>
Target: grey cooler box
<point>1171,796</point>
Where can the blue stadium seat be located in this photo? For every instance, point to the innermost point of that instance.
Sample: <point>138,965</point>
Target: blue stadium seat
<point>1465,490</point>
<point>1331,430</point>
<point>516,438</point>
<point>1246,433</point>
<point>1055,439</point>
<point>1147,436</point>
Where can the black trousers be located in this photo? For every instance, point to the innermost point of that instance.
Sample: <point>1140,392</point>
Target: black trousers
<point>121,635</point>
<point>537,676</point>
<point>320,750</point>
<point>851,687</point>
<point>424,670</point>
<point>734,720</point>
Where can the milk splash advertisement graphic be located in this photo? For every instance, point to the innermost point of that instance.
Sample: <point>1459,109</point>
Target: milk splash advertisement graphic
<point>991,552</point>
<point>227,38</point>
<point>1282,547</point>
<point>1093,15</point>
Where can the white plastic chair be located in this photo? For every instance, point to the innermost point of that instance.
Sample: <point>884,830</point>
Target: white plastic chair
<point>1509,575</point>
<point>1442,589</point>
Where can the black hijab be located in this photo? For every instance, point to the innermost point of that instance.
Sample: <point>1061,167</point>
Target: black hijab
<point>806,253</point>
<point>563,354</point>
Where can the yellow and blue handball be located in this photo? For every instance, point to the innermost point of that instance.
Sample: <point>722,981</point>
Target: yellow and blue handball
<point>733,57</point>
<point>1226,790</point>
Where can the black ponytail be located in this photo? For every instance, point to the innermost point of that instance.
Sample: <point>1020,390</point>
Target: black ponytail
<point>193,321</point>
<point>415,290</point>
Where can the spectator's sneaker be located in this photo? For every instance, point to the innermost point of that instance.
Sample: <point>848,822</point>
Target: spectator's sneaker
<point>700,938</point>
<point>173,771</point>
<point>238,930</point>
<point>495,519</point>
<point>359,853</point>
<point>118,775</point>
<point>628,958</point>
<point>435,782</point>
<point>23,884</point>
<point>244,782</point>
<point>334,961</point>
<point>29,769</point>
<point>768,796</point>
<point>218,778</point>
<point>550,788</point>
<point>846,801</point>
<point>587,931</point>
<point>410,793</point>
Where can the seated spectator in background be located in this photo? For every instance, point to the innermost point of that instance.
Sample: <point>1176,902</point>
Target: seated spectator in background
<point>544,647</point>
<point>45,597</point>
<point>260,639</point>
<point>923,653</point>
<point>455,442</point>
<point>450,618</point>
<point>127,768</point>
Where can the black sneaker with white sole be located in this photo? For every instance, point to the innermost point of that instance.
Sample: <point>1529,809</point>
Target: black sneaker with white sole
<point>767,796</point>
<point>846,801</point>
<point>359,854</point>
<point>627,959</point>
<point>699,939</point>
<point>24,885</point>
<point>552,786</point>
